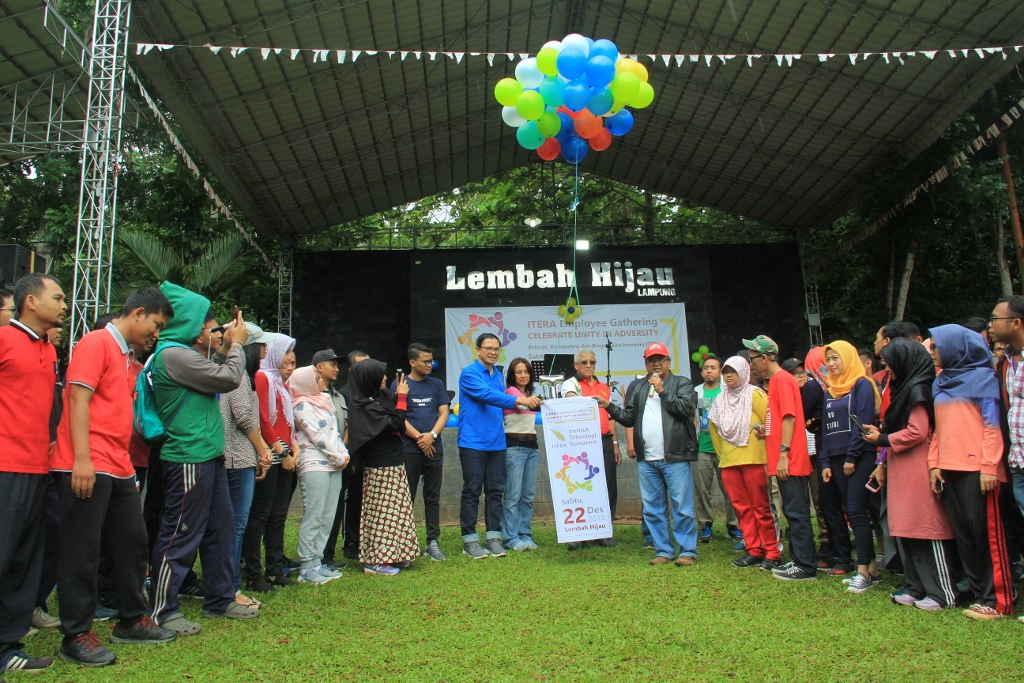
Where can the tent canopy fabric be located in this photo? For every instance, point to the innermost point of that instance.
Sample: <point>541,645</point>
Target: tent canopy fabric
<point>302,144</point>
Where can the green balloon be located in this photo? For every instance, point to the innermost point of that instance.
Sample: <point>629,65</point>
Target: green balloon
<point>549,124</point>
<point>703,348</point>
<point>530,105</point>
<point>507,91</point>
<point>644,96</point>
<point>695,357</point>
<point>547,61</point>
<point>625,86</point>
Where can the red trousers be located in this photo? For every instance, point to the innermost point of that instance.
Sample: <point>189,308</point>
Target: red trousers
<point>747,486</point>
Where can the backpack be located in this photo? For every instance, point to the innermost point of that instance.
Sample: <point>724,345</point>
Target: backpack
<point>145,414</point>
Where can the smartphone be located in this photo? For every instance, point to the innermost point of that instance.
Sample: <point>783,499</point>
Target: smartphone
<point>860,426</point>
<point>873,485</point>
<point>234,313</point>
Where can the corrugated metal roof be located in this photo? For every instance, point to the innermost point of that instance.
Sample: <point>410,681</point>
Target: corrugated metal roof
<point>303,146</point>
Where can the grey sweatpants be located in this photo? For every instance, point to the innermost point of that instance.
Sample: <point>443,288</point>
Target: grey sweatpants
<point>706,472</point>
<point>320,491</point>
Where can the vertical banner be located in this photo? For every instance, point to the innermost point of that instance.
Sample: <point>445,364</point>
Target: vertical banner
<point>537,333</point>
<point>579,490</point>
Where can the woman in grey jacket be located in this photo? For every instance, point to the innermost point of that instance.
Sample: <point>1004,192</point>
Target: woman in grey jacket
<point>665,440</point>
<point>246,454</point>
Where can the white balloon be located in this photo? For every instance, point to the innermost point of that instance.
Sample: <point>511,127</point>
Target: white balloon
<point>528,74</point>
<point>577,41</point>
<point>552,43</point>
<point>512,117</point>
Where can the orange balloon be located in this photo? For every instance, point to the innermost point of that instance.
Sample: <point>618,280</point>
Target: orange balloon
<point>601,140</point>
<point>565,110</point>
<point>587,125</point>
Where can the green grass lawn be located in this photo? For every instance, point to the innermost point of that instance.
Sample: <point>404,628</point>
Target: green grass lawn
<point>602,614</point>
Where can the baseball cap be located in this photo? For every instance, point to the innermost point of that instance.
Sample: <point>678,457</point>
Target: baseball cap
<point>257,335</point>
<point>326,354</point>
<point>656,349</point>
<point>792,364</point>
<point>762,344</point>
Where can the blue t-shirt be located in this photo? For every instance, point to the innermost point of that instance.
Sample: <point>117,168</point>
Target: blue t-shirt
<point>425,400</point>
<point>840,437</point>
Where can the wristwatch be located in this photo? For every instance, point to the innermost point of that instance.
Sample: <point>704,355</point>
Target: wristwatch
<point>433,435</point>
<point>784,448</point>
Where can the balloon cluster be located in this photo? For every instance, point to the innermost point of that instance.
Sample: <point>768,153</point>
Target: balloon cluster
<point>570,310</point>
<point>701,354</point>
<point>572,97</point>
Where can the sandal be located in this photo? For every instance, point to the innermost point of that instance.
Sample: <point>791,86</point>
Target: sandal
<point>246,601</point>
<point>180,625</point>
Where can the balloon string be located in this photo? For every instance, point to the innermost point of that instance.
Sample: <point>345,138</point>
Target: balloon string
<point>572,286</point>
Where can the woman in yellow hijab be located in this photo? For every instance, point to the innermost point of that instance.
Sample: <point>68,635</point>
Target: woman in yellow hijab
<point>847,461</point>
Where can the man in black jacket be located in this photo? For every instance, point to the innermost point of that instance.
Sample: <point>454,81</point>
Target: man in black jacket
<point>665,440</point>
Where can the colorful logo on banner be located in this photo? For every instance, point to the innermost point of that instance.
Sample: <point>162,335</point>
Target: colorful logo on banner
<point>495,324</point>
<point>580,464</point>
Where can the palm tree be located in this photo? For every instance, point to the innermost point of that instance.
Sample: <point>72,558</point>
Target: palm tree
<point>147,260</point>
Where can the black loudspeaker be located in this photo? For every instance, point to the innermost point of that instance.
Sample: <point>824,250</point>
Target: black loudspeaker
<point>16,261</point>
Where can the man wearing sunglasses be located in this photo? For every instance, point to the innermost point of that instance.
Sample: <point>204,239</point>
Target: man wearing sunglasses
<point>584,383</point>
<point>665,440</point>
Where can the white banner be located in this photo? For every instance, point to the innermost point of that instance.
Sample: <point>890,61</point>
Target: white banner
<point>533,332</point>
<point>579,491</point>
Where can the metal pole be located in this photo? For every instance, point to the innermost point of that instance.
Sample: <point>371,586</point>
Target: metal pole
<point>285,267</point>
<point>1018,235</point>
<point>100,151</point>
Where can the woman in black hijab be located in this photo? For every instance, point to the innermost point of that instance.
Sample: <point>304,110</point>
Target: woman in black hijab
<point>387,532</point>
<point>917,518</point>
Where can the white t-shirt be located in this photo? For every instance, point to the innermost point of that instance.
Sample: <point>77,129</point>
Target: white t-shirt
<point>653,433</point>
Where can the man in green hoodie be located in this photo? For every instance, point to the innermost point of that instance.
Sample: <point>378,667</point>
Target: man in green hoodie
<point>193,364</point>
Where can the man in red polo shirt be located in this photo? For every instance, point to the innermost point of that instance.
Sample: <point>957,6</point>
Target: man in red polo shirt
<point>28,370</point>
<point>584,383</point>
<point>99,495</point>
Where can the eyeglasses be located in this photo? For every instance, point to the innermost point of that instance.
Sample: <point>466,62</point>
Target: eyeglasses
<point>587,362</point>
<point>490,349</point>
<point>11,309</point>
<point>991,319</point>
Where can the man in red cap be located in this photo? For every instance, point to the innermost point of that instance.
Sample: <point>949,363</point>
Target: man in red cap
<point>665,440</point>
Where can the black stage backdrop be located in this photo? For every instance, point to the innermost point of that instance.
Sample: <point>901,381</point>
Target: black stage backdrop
<point>381,301</point>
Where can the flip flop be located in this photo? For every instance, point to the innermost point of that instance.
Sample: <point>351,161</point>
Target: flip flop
<point>249,602</point>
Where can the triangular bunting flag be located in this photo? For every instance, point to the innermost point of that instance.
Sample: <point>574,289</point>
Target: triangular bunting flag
<point>726,58</point>
<point>653,58</point>
<point>490,59</point>
<point>930,54</point>
<point>751,58</point>
<point>264,52</point>
<point>371,53</point>
<point>459,56</point>
<point>695,58</point>
<point>235,51</point>
<point>432,55</point>
<point>993,130</point>
<point>778,59</point>
<point>391,53</point>
<point>885,56</point>
<point>522,55</point>
<point>679,59</point>
<point>355,55</point>
<point>707,60</point>
<point>341,56</point>
<point>978,52</point>
<point>141,48</point>
<point>790,58</point>
<point>419,55</point>
<point>277,50</point>
<point>666,59</point>
<point>404,55</point>
<point>213,48</point>
<point>853,58</point>
<point>295,53</point>
<point>825,58</point>
<point>511,56</point>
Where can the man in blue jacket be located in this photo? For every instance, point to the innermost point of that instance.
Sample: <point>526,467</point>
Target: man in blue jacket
<point>482,445</point>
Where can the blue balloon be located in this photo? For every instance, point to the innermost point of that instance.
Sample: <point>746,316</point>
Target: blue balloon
<point>590,45</point>
<point>601,101</point>
<point>604,48</point>
<point>551,91</point>
<point>572,63</point>
<point>576,95</point>
<point>434,365</point>
<point>619,124</point>
<point>567,128</point>
<point>600,71</point>
<point>575,149</point>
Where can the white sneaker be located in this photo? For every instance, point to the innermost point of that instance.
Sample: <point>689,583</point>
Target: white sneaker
<point>40,619</point>
<point>313,576</point>
<point>322,570</point>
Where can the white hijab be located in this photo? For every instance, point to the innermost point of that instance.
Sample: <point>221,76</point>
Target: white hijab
<point>270,366</point>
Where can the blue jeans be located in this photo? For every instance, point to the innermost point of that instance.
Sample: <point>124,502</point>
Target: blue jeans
<point>241,486</point>
<point>481,471</point>
<point>1017,481</point>
<point>667,492</point>
<point>521,465</point>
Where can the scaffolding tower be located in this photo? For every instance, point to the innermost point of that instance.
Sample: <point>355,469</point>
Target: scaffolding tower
<point>97,206</point>
<point>285,270</point>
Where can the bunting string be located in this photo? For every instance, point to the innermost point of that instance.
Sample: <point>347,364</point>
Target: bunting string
<point>333,55</point>
<point>187,159</point>
<point>959,159</point>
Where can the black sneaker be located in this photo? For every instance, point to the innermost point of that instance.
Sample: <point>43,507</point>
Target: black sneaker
<point>334,566</point>
<point>259,585</point>
<point>86,650</point>
<point>794,573</point>
<point>195,590</point>
<point>291,564</point>
<point>840,569</point>
<point>281,580</point>
<point>351,552</point>
<point>769,565</point>
<point>146,631</point>
<point>19,661</point>
<point>605,542</point>
<point>574,545</point>
<point>747,560</point>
